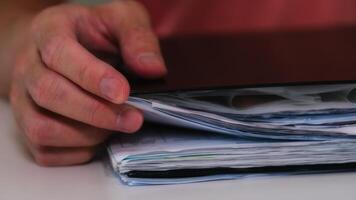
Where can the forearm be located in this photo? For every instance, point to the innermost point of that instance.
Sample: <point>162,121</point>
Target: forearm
<point>15,17</point>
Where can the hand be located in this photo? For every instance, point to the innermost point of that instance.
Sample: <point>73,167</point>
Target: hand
<point>65,99</point>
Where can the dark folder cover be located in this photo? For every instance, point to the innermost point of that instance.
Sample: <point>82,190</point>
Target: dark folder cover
<point>256,59</point>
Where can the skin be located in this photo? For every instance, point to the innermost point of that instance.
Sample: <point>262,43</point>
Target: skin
<point>66,100</point>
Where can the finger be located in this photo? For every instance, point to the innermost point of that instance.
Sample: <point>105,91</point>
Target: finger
<point>47,129</point>
<point>55,93</point>
<point>52,156</point>
<point>129,22</point>
<point>60,51</point>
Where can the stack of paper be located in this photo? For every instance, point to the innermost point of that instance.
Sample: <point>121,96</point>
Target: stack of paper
<point>262,130</point>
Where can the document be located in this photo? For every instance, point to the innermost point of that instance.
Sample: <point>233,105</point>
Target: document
<point>234,133</point>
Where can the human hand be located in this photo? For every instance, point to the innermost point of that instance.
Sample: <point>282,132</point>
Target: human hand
<point>65,99</point>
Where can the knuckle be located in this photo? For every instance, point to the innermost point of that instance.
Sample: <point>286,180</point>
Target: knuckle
<point>140,39</point>
<point>36,92</point>
<point>85,75</point>
<point>53,10</point>
<point>46,91</point>
<point>38,131</point>
<point>43,20</point>
<point>52,51</point>
<point>142,34</point>
<point>93,110</point>
<point>55,13</point>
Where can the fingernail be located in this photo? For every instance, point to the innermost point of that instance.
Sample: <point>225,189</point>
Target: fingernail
<point>130,120</point>
<point>110,88</point>
<point>150,60</point>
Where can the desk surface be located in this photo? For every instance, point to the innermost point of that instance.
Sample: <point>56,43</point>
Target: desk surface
<point>21,178</point>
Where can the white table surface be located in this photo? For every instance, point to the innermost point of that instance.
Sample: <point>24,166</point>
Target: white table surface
<point>21,178</point>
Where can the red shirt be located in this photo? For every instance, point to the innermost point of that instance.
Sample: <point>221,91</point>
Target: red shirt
<point>172,17</point>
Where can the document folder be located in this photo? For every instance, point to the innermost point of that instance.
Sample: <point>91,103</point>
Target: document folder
<point>245,105</point>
